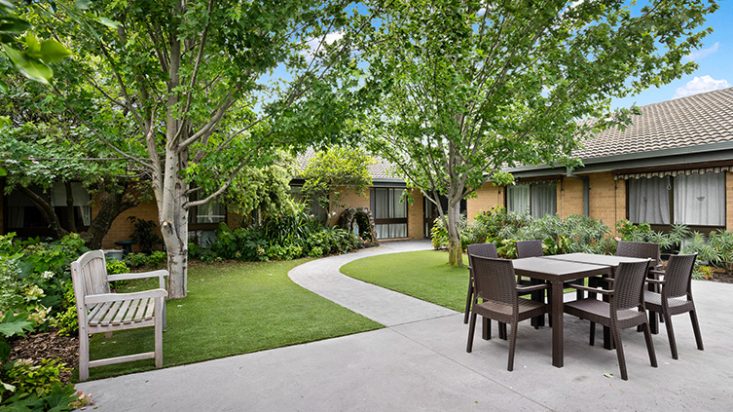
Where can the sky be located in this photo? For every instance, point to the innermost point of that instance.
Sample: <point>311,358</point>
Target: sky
<point>714,58</point>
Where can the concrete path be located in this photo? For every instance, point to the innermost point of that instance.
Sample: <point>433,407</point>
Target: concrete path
<point>387,307</point>
<point>422,365</point>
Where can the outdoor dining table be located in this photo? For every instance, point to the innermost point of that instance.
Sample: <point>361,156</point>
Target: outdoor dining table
<point>559,269</point>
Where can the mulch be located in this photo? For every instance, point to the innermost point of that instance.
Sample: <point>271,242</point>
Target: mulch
<point>48,345</point>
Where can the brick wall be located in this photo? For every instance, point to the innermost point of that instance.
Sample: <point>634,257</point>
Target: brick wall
<point>487,197</point>
<point>122,228</point>
<point>607,198</point>
<point>570,197</point>
<point>349,198</point>
<point>415,216</point>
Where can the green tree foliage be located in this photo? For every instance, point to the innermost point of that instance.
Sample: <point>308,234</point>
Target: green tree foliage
<point>331,171</point>
<point>468,88</point>
<point>207,89</point>
<point>28,54</point>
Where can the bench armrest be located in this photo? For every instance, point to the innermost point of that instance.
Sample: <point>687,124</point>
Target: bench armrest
<point>141,275</point>
<point>532,288</point>
<point>120,297</point>
<point>594,290</point>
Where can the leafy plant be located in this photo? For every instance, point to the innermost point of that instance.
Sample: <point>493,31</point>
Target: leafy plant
<point>115,266</point>
<point>144,234</point>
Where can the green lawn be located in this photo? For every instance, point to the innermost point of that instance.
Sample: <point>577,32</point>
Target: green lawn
<point>233,308</point>
<point>425,275</point>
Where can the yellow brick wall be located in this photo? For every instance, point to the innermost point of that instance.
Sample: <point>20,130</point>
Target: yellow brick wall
<point>570,197</point>
<point>122,228</point>
<point>415,216</point>
<point>349,198</point>
<point>607,198</point>
<point>487,197</point>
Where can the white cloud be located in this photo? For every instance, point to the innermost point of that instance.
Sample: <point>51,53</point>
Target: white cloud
<point>703,53</point>
<point>328,39</point>
<point>700,85</point>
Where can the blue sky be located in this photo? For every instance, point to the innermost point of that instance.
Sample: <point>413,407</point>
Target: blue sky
<point>715,61</point>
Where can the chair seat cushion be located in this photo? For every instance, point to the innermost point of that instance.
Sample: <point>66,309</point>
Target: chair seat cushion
<point>653,301</point>
<point>502,311</point>
<point>600,312</point>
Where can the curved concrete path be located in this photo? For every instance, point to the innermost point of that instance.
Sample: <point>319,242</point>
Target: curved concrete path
<point>323,276</point>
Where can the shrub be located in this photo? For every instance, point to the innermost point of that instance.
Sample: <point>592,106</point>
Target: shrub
<point>144,233</point>
<point>28,377</point>
<point>115,267</point>
<point>155,259</point>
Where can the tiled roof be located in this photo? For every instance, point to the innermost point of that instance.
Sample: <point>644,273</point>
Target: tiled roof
<point>695,120</point>
<point>381,170</point>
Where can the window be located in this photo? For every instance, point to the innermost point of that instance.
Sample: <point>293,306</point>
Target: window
<point>390,212</point>
<point>649,200</point>
<point>694,199</point>
<point>314,206</point>
<point>207,216</point>
<point>536,199</point>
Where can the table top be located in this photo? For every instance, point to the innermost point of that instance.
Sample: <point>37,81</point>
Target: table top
<point>555,269</point>
<point>593,259</point>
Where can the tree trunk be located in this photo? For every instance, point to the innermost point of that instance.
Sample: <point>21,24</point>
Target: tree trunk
<point>44,206</point>
<point>455,250</point>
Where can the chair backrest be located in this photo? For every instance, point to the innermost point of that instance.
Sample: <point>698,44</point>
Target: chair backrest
<point>643,250</point>
<point>494,279</point>
<point>678,275</point>
<point>482,249</point>
<point>529,248</point>
<point>89,275</point>
<point>629,284</point>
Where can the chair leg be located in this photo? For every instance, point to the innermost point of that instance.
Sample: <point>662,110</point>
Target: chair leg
<point>696,329</point>
<point>471,330</point>
<point>486,328</point>
<point>83,356</point>
<point>512,347</point>
<point>592,333</point>
<point>502,330</point>
<point>670,335</point>
<point>469,297</point>
<point>654,322</point>
<point>620,352</point>
<point>649,344</point>
<point>159,321</point>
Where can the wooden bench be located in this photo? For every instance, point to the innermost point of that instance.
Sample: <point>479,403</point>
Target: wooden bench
<point>101,311</point>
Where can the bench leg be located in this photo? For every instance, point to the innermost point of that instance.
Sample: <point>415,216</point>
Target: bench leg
<point>159,320</point>
<point>83,355</point>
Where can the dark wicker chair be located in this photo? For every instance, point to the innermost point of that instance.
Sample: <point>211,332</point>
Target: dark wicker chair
<point>675,297</point>
<point>626,295</point>
<point>496,284</point>
<point>478,249</point>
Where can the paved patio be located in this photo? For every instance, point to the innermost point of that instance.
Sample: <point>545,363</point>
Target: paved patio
<point>419,363</point>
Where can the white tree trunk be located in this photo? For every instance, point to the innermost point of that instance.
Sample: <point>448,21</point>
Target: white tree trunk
<point>455,250</point>
<point>174,224</point>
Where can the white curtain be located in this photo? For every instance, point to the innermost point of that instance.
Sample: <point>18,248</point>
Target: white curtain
<point>398,208</point>
<point>700,199</point>
<point>212,212</point>
<point>649,200</point>
<point>78,193</point>
<point>543,199</point>
<point>518,198</point>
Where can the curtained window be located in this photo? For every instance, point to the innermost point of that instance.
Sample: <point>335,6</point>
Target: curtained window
<point>390,212</point>
<point>543,199</point>
<point>211,212</point>
<point>536,199</point>
<point>518,199</point>
<point>699,199</point>
<point>649,200</point>
<point>692,199</point>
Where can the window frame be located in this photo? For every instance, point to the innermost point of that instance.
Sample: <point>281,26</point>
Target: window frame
<point>389,221</point>
<point>192,212</point>
<point>556,182</point>
<point>704,229</point>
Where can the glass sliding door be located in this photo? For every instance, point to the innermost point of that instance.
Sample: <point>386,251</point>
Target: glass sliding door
<point>389,211</point>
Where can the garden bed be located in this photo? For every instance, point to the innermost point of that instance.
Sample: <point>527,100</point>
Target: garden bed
<point>48,345</point>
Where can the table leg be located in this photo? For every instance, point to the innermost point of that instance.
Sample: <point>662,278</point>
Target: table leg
<point>557,323</point>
